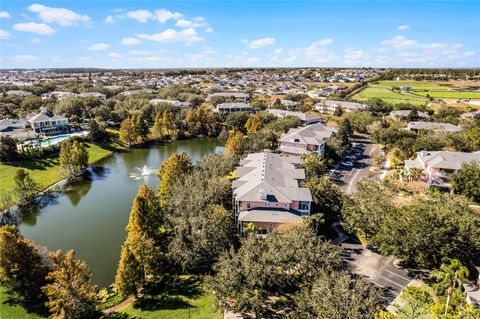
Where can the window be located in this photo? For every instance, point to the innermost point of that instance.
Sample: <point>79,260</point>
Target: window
<point>248,205</point>
<point>303,205</point>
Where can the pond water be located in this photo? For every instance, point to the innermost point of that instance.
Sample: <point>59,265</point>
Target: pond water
<point>90,217</point>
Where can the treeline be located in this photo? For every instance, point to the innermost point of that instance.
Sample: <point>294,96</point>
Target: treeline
<point>432,74</point>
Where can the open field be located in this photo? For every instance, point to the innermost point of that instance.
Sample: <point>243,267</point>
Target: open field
<point>186,300</point>
<point>420,89</point>
<point>45,171</point>
<point>9,311</point>
<point>384,92</point>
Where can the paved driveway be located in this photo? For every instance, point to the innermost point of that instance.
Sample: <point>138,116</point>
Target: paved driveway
<point>347,177</point>
<point>379,269</point>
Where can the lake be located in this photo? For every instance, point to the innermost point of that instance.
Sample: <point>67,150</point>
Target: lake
<point>91,215</point>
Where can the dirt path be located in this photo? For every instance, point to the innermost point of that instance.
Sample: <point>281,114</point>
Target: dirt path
<point>119,306</point>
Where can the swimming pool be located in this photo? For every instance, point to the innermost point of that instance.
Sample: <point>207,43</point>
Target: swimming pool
<point>54,140</point>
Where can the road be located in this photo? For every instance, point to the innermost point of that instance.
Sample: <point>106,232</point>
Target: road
<point>347,177</point>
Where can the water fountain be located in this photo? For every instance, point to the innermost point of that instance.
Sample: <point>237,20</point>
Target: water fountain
<point>143,172</point>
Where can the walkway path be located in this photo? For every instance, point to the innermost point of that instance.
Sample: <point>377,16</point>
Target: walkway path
<point>120,306</point>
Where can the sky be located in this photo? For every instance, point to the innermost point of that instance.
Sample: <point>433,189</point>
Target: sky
<point>176,34</point>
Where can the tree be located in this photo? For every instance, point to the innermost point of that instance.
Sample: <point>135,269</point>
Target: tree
<point>440,227</point>
<point>253,124</point>
<point>96,131</point>
<point>237,121</point>
<point>23,269</point>
<point>472,139</point>
<point>314,165</point>
<point>127,132</point>
<point>345,132</point>
<point>143,255</point>
<point>449,277</point>
<point>235,143</point>
<point>176,166</point>
<point>158,129</point>
<point>25,187</point>
<point>8,148</point>
<point>337,296</point>
<point>71,293</point>
<point>327,197</point>
<point>364,211</point>
<point>73,156</point>
<point>140,127</point>
<point>467,181</point>
<point>359,121</point>
<point>416,302</point>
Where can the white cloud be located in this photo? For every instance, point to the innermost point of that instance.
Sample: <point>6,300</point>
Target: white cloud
<point>109,19</point>
<point>403,27</point>
<point>457,46</point>
<point>196,23</point>
<point>318,53</point>
<point>355,57</point>
<point>4,15</point>
<point>399,42</point>
<point>4,34</point>
<point>98,46</point>
<point>290,59</point>
<point>208,30</point>
<point>139,52</point>
<point>278,51</point>
<point>115,55</point>
<point>24,58</point>
<point>39,28</point>
<point>35,40</point>
<point>130,41</point>
<point>163,15</point>
<point>469,53</point>
<point>259,43</point>
<point>140,15</point>
<point>169,36</point>
<point>62,16</point>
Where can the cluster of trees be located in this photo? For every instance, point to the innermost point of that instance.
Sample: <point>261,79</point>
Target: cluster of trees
<point>294,264</point>
<point>73,156</point>
<point>43,282</point>
<point>133,130</point>
<point>181,229</point>
<point>423,233</point>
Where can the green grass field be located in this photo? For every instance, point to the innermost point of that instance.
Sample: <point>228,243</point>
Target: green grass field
<point>184,299</point>
<point>382,91</point>
<point>45,171</point>
<point>8,311</point>
<point>420,89</point>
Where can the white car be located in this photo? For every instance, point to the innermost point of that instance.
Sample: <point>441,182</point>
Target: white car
<point>347,164</point>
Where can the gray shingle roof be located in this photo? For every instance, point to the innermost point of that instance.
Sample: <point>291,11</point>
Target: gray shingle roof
<point>268,216</point>
<point>447,127</point>
<point>314,134</point>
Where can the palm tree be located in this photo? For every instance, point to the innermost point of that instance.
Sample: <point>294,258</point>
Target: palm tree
<point>449,277</point>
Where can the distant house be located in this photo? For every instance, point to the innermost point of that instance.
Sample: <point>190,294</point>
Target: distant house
<point>237,96</point>
<point>403,114</point>
<point>175,103</point>
<point>472,291</point>
<point>267,192</point>
<point>14,128</point>
<point>18,93</point>
<point>305,118</point>
<point>47,123</point>
<point>331,106</point>
<point>305,140</point>
<point>289,104</point>
<point>439,165</point>
<point>470,115</point>
<point>406,88</point>
<point>233,107</point>
<point>136,92</point>
<point>98,95</point>
<point>57,94</point>
<point>433,126</point>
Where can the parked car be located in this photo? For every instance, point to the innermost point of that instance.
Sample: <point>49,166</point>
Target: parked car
<point>347,164</point>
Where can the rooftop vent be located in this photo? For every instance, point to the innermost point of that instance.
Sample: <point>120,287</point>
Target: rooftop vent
<point>263,194</point>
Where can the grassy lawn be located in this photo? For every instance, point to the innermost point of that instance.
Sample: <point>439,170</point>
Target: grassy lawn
<point>452,95</point>
<point>385,93</point>
<point>186,296</point>
<point>8,311</point>
<point>46,171</point>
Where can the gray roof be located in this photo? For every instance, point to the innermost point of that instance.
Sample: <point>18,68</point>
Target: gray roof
<point>470,114</point>
<point>443,159</point>
<point>305,117</point>
<point>405,113</point>
<point>344,104</point>
<point>171,102</point>
<point>233,106</point>
<point>273,174</point>
<point>229,94</point>
<point>447,127</point>
<point>314,134</point>
<point>268,216</point>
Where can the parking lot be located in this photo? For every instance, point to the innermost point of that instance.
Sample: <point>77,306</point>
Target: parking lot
<point>355,165</point>
<point>379,269</point>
